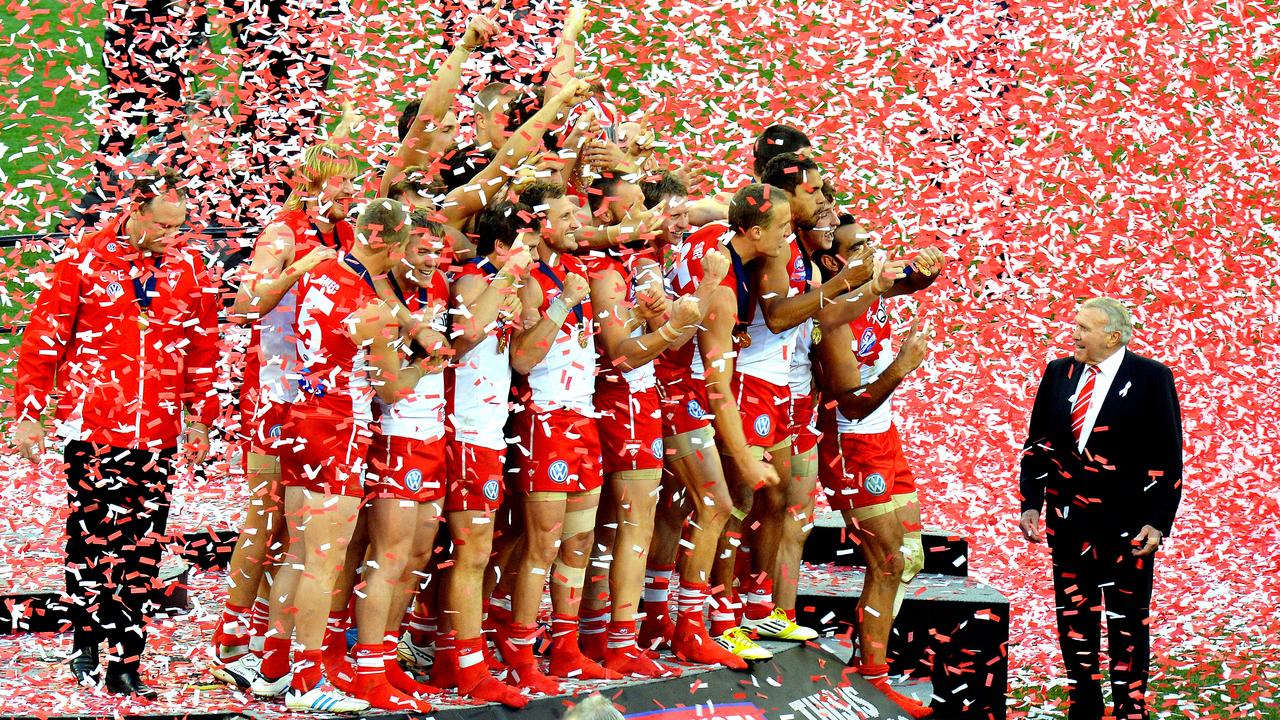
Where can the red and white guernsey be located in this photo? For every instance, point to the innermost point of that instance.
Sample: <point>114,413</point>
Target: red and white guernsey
<point>769,355</point>
<point>566,377</point>
<point>685,273</point>
<point>272,352</point>
<point>420,415</point>
<point>480,382</point>
<point>873,347</point>
<point>332,379</point>
<point>637,270</point>
<point>801,376</point>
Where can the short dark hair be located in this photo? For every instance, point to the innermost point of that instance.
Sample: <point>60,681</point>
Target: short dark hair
<point>788,171</point>
<point>426,220</point>
<point>662,184</point>
<point>414,180</point>
<point>537,193</point>
<point>387,218</point>
<point>603,188</point>
<point>502,222</point>
<point>461,164</point>
<point>407,116</point>
<point>753,206</point>
<point>772,142</point>
<point>161,181</point>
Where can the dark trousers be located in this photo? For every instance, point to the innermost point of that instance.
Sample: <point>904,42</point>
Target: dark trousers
<point>143,48</point>
<point>1088,577</point>
<point>115,534</point>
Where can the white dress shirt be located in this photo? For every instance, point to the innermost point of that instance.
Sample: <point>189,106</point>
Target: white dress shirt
<point>1107,370</point>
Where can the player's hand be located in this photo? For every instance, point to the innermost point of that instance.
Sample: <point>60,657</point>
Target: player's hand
<point>574,21</point>
<point>479,31</point>
<point>652,307</point>
<point>915,347</point>
<point>576,290</point>
<point>519,259</point>
<point>715,266</point>
<point>28,438</point>
<point>197,442</point>
<point>858,268</point>
<point>766,476</point>
<point>575,90</point>
<point>604,155</point>
<point>1147,541</point>
<point>511,311</point>
<point>1029,523</point>
<point>314,258</point>
<point>885,274</point>
<point>685,312</point>
<point>929,261</point>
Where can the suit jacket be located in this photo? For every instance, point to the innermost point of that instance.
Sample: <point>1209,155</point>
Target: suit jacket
<point>1130,473</point>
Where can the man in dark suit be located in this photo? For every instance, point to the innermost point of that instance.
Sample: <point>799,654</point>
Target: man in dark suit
<point>1104,451</point>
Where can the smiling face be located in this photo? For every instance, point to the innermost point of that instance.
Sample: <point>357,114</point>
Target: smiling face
<point>560,225</point>
<point>676,222</point>
<point>336,197</point>
<point>774,233</point>
<point>1092,342</point>
<point>807,201</point>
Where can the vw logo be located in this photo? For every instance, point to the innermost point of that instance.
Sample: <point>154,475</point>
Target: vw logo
<point>695,410</point>
<point>656,448</point>
<point>762,425</point>
<point>115,290</point>
<point>491,490</point>
<point>868,341</point>
<point>875,484</point>
<point>275,430</point>
<point>413,480</point>
<point>558,471</point>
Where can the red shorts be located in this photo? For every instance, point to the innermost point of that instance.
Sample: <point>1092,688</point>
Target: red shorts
<point>630,428</point>
<point>684,406</point>
<point>765,409</point>
<point>324,454</point>
<point>863,470</point>
<point>475,477</point>
<point>561,452</point>
<point>804,424</point>
<point>261,423</point>
<point>405,468</point>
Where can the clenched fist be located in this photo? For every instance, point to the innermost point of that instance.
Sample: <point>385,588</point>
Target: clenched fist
<point>575,291</point>
<point>685,312</point>
<point>715,265</point>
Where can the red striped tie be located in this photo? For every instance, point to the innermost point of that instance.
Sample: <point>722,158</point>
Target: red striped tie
<point>1081,406</point>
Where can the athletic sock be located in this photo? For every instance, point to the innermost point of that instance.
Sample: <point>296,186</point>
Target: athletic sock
<point>878,676</point>
<point>444,669</point>
<point>691,642</point>
<point>759,599</point>
<point>259,616</point>
<point>474,680</point>
<point>275,657</point>
<point>336,664</point>
<point>232,638</point>
<point>592,626</point>
<point>623,657</point>
<point>371,681</point>
<point>422,629</point>
<point>308,668</point>
<point>723,614</point>
<point>567,660</point>
<point>396,675</point>
<point>517,650</point>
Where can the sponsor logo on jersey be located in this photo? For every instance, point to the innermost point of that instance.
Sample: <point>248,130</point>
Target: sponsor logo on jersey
<point>882,314</point>
<point>868,341</point>
<point>111,247</point>
<point>657,448</point>
<point>762,425</point>
<point>695,410</point>
<point>875,484</point>
<point>275,430</point>
<point>413,480</point>
<point>115,290</point>
<point>558,471</point>
<point>491,489</point>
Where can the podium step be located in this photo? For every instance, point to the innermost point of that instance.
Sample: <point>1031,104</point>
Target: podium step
<point>945,552</point>
<point>954,631</point>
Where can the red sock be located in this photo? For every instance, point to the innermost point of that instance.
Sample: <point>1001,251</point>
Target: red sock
<point>592,626</point>
<point>791,614</point>
<point>231,639</point>
<point>878,676</point>
<point>400,679</point>
<point>371,682</point>
<point>517,649</point>
<point>723,614</point>
<point>759,599</point>
<point>422,629</point>
<point>474,680</point>
<point>275,657</point>
<point>691,642</point>
<point>444,671</point>
<point>259,616</point>
<point>567,660</point>
<point>657,627</point>
<point>308,668</point>
<point>623,657</point>
<point>336,664</point>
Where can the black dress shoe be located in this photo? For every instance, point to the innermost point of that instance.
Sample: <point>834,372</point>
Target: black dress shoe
<point>84,664</point>
<point>128,682</point>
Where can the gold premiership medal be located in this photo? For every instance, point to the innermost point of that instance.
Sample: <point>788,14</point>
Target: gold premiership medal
<point>502,340</point>
<point>816,334</point>
<point>143,320</point>
<point>582,335</point>
<point>744,338</point>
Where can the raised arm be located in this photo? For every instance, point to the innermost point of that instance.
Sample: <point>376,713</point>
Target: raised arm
<point>858,401</point>
<point>782,312</point>
<point>479,303</point>
<point>608,295</point>
<point>567,52</point>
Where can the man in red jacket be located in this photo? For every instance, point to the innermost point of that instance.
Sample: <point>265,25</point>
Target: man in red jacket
<point>127,332</point>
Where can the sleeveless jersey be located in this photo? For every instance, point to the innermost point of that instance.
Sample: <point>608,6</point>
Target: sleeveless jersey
<point>633,269</point>
<point>873,347</point>
<point>420,415</point>
<point>769,355</point>
<point>480,381</point>
<point>332,379</point>
<point>683,276</point>
<point>566,377</point>
<point>801,375</point>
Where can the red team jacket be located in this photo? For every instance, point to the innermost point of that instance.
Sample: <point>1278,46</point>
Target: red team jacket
<point>121,384</point>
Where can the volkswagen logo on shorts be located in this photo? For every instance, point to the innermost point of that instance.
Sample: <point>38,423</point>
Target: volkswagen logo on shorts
<point>115,290</point>
<point>868,341</point>
<point>275,430</point>
<point>695,410</point>
<point>558,471</point>
<point>875,484</point>
<point>491,490</point>
<point>656,448</point>
<point>762,425</point>
<point>413,480</point>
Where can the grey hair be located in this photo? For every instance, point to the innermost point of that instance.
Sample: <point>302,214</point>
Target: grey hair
<point>594,707</point>
<point>1118,319</point>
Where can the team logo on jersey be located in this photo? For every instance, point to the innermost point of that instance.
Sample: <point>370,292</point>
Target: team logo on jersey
<point>797,269</point>
<point>115,290</point>
<point>491,490</point>
<point>111,247</point>
<point>695,410</point>
<point>868,341</point>
<point>275,430</point>
<point>762,425</point>
<point>657,448</point>
<point>882,315</point>
<point>413,480</point>
<point>875,484</point>
<point>558,471</point>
